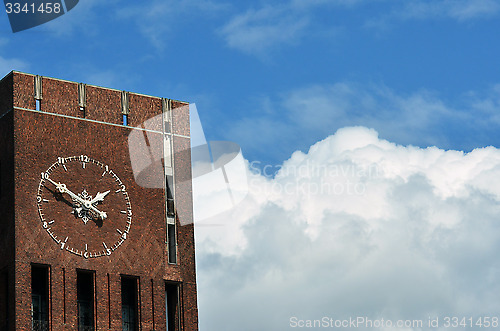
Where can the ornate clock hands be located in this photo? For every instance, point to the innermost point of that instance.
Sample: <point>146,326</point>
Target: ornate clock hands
<point>62,186</point>
<point>86,204</point>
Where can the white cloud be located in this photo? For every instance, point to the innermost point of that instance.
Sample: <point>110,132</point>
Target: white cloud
<point>259,31</point>
<point>275,25</point>
<point>82,18</point>
<point>457,9</point>
<point>159,18</point>
<point>357,226</point>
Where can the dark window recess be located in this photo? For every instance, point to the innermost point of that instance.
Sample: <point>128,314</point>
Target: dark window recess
<point>109,302</point>
<point>170,195</point>
<point>64,295</point>
<point>85,300</point>
<point>172,249</point>
<point>4,300</point>
<point>39,298</point>
<point>172,306</point>
<point>129,304</point>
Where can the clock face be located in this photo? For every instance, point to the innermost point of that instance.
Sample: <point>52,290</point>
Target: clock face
<point>84,206</point>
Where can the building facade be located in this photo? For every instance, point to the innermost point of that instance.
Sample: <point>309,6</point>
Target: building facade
<point>96,225</point>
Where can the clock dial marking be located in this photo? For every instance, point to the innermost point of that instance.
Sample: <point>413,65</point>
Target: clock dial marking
<point>64,243</point>
<point>64,195</point>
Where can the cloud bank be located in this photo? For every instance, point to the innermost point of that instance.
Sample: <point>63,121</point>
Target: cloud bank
<point>357,226</point>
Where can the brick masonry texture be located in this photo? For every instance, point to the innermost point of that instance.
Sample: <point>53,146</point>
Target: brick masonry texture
<point>31,142</point>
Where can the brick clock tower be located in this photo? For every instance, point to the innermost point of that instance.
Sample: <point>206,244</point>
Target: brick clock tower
<point>96,221</point>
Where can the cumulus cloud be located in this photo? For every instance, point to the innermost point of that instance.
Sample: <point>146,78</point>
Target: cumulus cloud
<point>297,118</point>
<point>357,226</point>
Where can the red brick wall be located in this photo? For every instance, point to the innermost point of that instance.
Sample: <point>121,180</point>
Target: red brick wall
<point>41,137</point>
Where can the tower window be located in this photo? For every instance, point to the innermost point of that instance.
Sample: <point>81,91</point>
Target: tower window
<point>172,306</point>
<point>172,243</point>
<point>170,195</point>
<point>129,304</point>
<point>38,91</point>
<point>125,107</point>
<point>40,298</point>
<point>85,300</point>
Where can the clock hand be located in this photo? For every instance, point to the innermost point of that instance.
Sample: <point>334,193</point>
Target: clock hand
<point>59,197</point>
<point>63,189</point>
<point>99,197</point>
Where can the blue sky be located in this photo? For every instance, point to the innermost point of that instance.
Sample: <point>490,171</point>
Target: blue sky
<point>412,85</point>
<point>241,62</point>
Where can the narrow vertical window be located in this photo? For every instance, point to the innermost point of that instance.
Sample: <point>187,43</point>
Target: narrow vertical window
<point>129,304</point>
<point>109,302</point>
<point>172,306</point>
<point>64,295</point>
<point>171,241</point>
<point>171,232</point>
<point>167,115</point>
<point>170,195</point>
<point>125,107</point>
<point>38,91</point>
<point>85,300</point>
<point>171,229</point>
<point>153,303</point>
<point>82,97</point>
<point>40,298</point>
